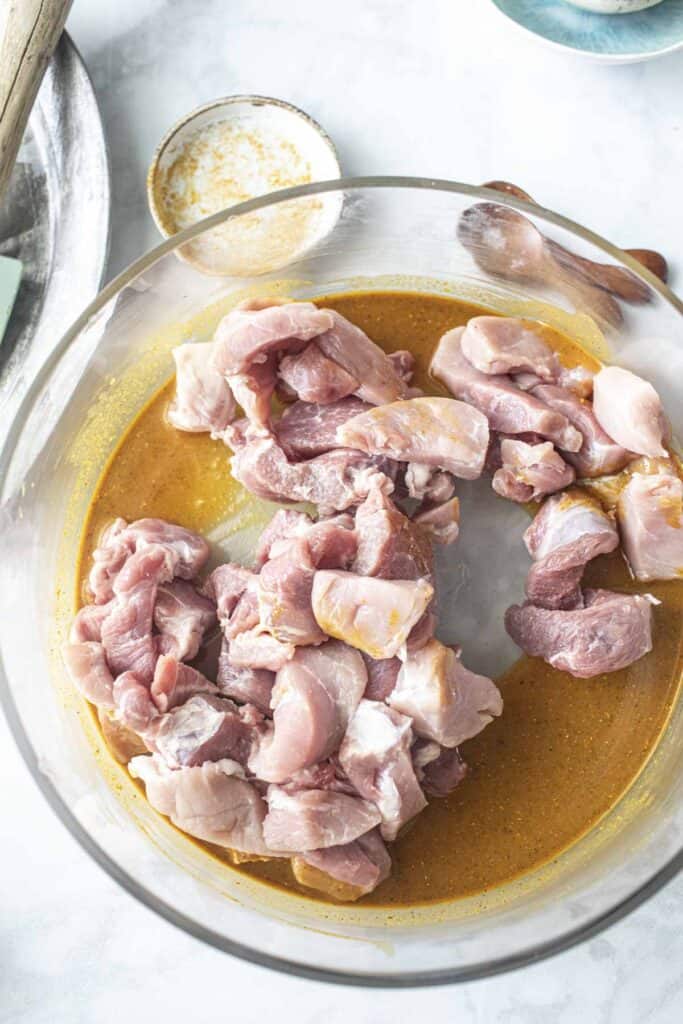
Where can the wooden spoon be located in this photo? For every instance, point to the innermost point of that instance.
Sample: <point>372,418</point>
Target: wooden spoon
<point>506,243</point>
<point>614,279</point>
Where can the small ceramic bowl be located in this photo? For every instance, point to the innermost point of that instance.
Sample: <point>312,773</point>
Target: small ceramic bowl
<point>227,152</point>
<point>599,32</point>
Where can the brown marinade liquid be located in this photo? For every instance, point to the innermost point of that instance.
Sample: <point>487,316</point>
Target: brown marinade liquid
<point>564,750</point>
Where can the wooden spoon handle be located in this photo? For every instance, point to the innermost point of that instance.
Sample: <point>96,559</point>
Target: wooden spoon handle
<point>32,29</point>
<point>613,279</point>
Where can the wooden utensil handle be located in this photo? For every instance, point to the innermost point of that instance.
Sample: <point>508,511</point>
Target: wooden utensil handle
<point>32,29</point>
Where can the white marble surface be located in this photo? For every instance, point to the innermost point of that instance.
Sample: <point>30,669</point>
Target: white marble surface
<point>440,88</point>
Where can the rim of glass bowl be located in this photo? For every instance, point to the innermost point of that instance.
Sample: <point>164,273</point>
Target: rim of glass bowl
<point>531,954</point>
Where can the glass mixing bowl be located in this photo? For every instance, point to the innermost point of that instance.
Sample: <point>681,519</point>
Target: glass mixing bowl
<point>330,237</point>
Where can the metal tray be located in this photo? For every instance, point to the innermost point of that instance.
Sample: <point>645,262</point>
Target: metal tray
<point>55,219</point>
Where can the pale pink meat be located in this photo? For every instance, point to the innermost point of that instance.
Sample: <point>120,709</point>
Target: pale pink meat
<point>650,513</point>
<point>305,429</point>
<point>87,669</point>
<point>446,701</point>
<point>182,616</point>
<point>187,552</point>
<point>203,400</point>
<point>608,633</point>
<point>629,410</point>
<point>248,336</point>
<point>331,542</point>
<point>213,802</point>
<point>567,532</point>
<point>204,728</point>
<point>375,755</point>
<point>174,683</point>
<point>114,547</point>
<point>374,615</point>
<point>427,483</point>
<point>254,649</point>
<point>313,377</point>
<point>314,819</point>
<point>349,347</point>
<point>87,624</point>
<point>441,522</point>
<point>127,630</point>
<point>333,481</point>
<point>314,697</point>
<point>135,708</point>
<point>382,675</point>
<point>438,769</point>
<point>598,454</point>
<point>509,410</point>
<point>284,596</point>
<point>360,865</point>
<point>501,344</point>
<point>389,544</point>
<point>225,586</point>
<point>529,472</point>
<point>245,685</point>
<point>437,432</point>
<point>253,389</point>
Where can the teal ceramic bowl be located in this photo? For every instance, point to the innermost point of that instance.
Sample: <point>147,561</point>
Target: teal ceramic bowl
<point>607,38</point>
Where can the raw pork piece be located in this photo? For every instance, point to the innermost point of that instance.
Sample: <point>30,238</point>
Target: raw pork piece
<point>578,379</point>
<point>382,677</point>
<point>203,400</point>
<point>509,410</point>
<point>226,586</point>
<point>255,649</point>
<point>87,669</point>
<point>441,774</point>
<point>331,542</point>
<point>598,454</point>
<point>333,481</point>
<point>505,344</point>
<point>87,625</point>
<point>245,685</point>
<point>435,431</point>
<point>314,697</point>
<point>372,614</point>
<point>182,616</point>
<point>629,409</point>
<point>529,472</point>
<point>248,336</point>
<point>568,531</point>
<point>389,544</point>
<point>375,755</point>
<point>345,872</point>
<point>403,362</point>
<point>313,819</point>
<point>441,522</point>
<point>205,728</point>
<point>650,511</point>
<point>349,347</point>
<point>174,682</point>
<point>213,802</point>
<point>187,552</point>
<point>446,701</point>
<point>312,377</point>
<point>253,390</point>
<point>284,596</point>
<point>610,632</point>
<point>427,483</point>
<point>305,430</point>
<point>127,630</point>
<point>114,547</point>
<point>135,708</point>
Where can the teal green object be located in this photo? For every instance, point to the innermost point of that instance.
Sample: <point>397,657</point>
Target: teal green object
<point>614,37</point>
<point>10,276</point>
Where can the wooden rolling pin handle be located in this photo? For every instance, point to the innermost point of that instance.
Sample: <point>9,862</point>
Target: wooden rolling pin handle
<point>32,30</point>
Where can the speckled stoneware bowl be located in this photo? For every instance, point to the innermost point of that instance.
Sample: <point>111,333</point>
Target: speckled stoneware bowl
<point>601,33</point>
